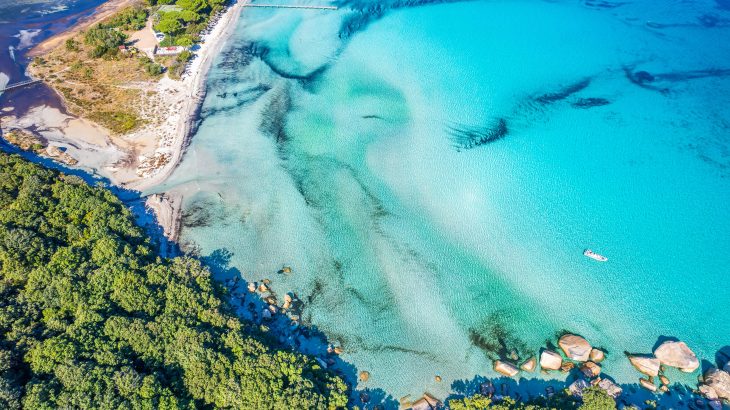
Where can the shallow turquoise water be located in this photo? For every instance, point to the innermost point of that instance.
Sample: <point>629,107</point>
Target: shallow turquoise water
<point>327,143</point>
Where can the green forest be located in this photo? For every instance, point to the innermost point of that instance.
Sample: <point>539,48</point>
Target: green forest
<point>90,317</point>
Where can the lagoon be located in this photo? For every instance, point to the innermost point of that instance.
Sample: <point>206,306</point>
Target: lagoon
<point>433,172</point>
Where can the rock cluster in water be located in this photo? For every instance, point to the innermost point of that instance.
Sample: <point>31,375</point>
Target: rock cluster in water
<point>577,353</point>
<point>677,354</point>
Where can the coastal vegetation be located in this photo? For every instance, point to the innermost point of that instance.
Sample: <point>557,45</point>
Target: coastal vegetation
<point>593,399</point>
<point>90,317</point>
<point>183,23</point>
<point>103,76</point>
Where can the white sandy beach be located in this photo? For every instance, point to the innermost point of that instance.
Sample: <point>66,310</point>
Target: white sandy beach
<point>186,96</point>
<point>145,157</point>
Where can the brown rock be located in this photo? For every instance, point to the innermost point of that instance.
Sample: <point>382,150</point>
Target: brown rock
<point>550,360</point>
<point>577,387</point>
<point>590,369</point>
<point>611,388</point>
<point>575,347</point>
<point>364,376</point>
<point>529,365</point>
<point>505,368</point>
<point>597,355</point>
<point>677,354</point>
<point>646,364</point>
<point>567,366</point>
<point>647,385</point>
<point>427,402</point>
<point>664,379</point>
<point>338,350</point>
<point>708,392</point>
<point>719,381</point>
<point>252,287</point>
<point>286,269</point>
<point>437,378</point>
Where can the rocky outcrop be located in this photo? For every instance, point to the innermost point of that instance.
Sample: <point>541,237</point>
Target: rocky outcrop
<point>611,388</point>
<point>716,384</point>
<point>677,354</point>
<point>577,387</point>
<point>597,355</point>
<point>427,402</point>
<point>529,365</point>
<point>575,347</point>
<point>364,376</point>
<point>550,360</point>
<point>647,385</point>
<point>590,369</point>
<point>646,364</point>
<point>505,368</point>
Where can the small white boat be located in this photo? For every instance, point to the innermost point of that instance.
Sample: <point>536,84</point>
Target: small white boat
<point>589,253</point>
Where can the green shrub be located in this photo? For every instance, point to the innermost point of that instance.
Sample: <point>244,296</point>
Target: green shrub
<point>105,41</point>
<point>72,45</point>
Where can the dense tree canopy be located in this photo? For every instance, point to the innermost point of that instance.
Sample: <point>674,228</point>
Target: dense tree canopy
<point>184,25</point>
<point>91,318</point>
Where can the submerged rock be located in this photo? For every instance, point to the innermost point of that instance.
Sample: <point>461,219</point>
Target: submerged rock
<point>664,379</point>
<point>597,355</point>
<point>364,376</point>
<point>550,360</point>
<point>251,287</point>
<point>718,382</point>
<point>646,364</point>
<point>529,365</point>
<point>437,378</point>
<point>505,368</point>
<point>644,77</point>
<point>677,354</point>
<point>575,347</point>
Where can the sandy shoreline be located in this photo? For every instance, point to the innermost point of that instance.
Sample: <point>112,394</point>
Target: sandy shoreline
<point>194,88</point>
<point>146,157</point>
<point>168,208</point>
<point>103,11</point>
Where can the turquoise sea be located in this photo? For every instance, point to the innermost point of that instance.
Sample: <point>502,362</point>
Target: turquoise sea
<point>432,173</point>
